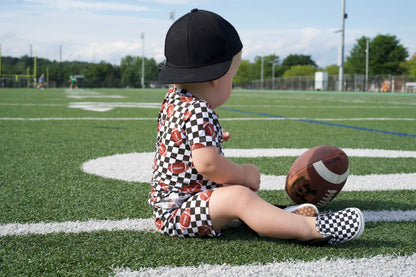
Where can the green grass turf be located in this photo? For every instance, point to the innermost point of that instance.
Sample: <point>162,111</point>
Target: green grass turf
<point>41,178</point>
<point>96,253</point>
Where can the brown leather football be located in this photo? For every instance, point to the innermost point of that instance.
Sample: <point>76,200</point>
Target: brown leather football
<point>317,175</point>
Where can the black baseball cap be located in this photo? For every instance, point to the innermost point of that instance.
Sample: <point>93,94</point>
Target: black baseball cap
<point>199,47</point>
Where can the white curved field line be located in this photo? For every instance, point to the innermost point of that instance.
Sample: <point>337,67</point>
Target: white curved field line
<point>136,167</point>
<point>403,266</point>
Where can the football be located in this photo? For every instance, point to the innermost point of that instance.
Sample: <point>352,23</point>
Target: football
<point>317,175</point>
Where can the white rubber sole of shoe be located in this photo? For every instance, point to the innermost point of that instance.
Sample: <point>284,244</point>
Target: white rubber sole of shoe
<point>303,209</point>
<point>362,224</point>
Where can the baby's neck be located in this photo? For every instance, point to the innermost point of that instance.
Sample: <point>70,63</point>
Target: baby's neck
<point>200,90</point>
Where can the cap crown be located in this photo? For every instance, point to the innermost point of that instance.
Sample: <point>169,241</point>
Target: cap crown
<point>198,40</point>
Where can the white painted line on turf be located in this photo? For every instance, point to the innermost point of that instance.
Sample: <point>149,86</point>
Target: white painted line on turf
<point>108,106</point>
<point>95,96</point>
<point>148,225</point>
<point>373,182</point>
<point>389,216</point>
<point>76,118</point>
<point>81,94</point>
<point>136,167</point>
<point>30,104</point>
<point>365,119</point>
<point>405,106</point>
<point>403,266</point>
<point>295,152</point>
<point>223,119</point>
<point>318,119</point>
<point>43,228</point>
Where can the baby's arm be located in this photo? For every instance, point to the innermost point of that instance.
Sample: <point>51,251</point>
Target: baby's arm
<point>219,169</point>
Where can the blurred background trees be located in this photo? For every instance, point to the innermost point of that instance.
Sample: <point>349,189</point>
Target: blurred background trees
<point>386,57</point>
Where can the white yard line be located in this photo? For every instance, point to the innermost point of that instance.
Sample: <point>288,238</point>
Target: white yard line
<point>380,266</point>
<point>108,106</point>
<point>222,119</point>
<point>147,224</point>
<point>31,104</point>
<point>320,119</point>
<point>42,228</point>
<point>76,118</point>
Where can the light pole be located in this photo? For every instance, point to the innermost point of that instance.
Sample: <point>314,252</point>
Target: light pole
<point>261,73</point>
<point>341,57</point>
<point>172,15</point>
<point>367,53</point>
<point>274,63</point>
<point>142,36</point>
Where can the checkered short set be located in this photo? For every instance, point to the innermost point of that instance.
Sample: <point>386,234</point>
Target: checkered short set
<point>180,195</point>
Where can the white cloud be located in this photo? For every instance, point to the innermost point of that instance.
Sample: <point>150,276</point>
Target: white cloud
<point>110,30</point>
<point>71,5</point>
<point>82,35</point>
<point>283,42</point>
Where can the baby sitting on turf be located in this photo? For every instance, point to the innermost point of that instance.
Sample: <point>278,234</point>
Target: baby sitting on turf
<point>196,191</point>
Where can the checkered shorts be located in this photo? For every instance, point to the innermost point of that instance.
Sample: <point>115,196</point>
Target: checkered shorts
<point>190,220</point>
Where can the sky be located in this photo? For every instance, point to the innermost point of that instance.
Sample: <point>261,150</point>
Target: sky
<point>108,30</point>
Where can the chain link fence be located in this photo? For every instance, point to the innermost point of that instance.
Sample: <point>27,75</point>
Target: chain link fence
<point>352,82</point>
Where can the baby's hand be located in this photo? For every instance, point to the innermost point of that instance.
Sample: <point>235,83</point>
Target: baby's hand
<point>252,176</point>
<point>225,135</point>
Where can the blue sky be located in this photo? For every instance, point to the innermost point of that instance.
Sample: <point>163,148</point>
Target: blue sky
<point>109,30</point>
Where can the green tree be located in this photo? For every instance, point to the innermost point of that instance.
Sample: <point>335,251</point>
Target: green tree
<point>385,55</point>
<point>101,75</point>
<point>409,67</point>
<point>292,60</point>
<point>151,71</point>
<point>244,73</point>
<point>332,69</point>
<point>129,73</point>
<point>267,67</point>
<point>56,73</point>
<point>300,70</point>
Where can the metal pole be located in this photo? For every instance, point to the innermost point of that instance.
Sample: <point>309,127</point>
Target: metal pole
<point>341,66</point>
<point>366,64</point>
<point>273,76</point>
<point>143,62</point>
<point>261,73</point>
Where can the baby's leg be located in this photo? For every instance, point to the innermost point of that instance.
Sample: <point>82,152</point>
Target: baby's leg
<point>231,202</point>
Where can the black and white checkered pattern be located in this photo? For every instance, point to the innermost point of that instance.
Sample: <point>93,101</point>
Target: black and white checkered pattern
<point>184,122</point>
<point>196,207</point>
<point>342,226</point>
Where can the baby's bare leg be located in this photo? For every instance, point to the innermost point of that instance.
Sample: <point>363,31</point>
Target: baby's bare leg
<point>231,202</point>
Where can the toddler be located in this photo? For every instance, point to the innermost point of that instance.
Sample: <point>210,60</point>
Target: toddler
<point>196,191</point>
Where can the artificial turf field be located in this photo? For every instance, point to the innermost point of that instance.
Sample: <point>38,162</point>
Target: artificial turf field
<point>48,135</point>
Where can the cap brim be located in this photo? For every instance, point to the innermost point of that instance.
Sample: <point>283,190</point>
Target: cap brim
<point>178,75</point>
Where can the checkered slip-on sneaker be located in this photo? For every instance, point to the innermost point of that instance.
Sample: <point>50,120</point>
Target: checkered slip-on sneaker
<point>303,209</point>
<point>339,227</point>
